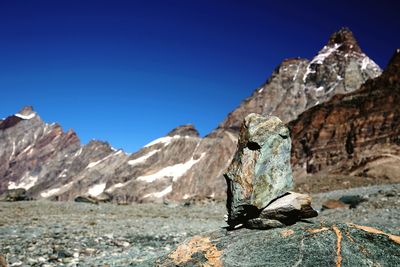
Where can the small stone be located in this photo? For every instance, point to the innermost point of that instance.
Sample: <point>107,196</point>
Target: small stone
<point>53,257</point>
<point>64,254</point>
<point>66,260</point>
<point>89,251</point>
<point>289,208</point>
<point>334,204</point>
<point>352,200</point>
<point>121,243</point>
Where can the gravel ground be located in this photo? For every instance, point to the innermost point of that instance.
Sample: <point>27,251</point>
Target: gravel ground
<point>41,233</point>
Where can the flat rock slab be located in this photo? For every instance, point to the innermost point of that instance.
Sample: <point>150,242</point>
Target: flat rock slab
<point>299,245</point>
<point>290,208</point>
<point>260,170</point>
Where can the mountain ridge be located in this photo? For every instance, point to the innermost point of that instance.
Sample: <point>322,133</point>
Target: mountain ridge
<point>180,165</point>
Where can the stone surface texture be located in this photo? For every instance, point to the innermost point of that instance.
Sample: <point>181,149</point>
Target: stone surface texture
<point>260,170</point>
<point>321,244</point>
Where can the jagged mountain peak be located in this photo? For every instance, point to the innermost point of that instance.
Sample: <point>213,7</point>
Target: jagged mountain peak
<point>184,130</point>
<point>345,38</point>
<point>26,113</point>
<point>26,110</point>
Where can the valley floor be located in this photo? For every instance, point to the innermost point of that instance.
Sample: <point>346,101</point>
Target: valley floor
<point>42,233</point>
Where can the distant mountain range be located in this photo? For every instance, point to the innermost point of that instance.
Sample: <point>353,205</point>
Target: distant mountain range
<point>343,112</point>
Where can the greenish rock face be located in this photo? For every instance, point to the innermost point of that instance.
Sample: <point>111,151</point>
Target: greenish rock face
<point>318,244</point>
<point>260,170</point>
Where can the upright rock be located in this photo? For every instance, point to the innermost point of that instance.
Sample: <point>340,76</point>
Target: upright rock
<point>260,170</point>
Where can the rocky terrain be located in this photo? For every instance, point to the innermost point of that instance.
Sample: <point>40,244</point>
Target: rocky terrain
<point>44,233</point>
<point>271,226</point>
<point>52,164</point>
<point>194,233</point>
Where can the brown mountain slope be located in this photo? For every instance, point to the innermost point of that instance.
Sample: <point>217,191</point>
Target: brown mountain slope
<point>353,134</point>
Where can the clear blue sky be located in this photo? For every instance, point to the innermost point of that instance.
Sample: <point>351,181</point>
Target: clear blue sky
<point>129,71</point>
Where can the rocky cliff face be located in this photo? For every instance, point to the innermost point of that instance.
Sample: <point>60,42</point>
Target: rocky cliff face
<point>356,133</point>
<point>52,164</point>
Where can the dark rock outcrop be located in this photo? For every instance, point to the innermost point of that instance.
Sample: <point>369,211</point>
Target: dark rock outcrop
<point>18,194</point>
<point>299,245</point>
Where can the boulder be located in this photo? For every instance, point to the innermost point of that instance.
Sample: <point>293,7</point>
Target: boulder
<point>352,200</point>
<point>103,197</point>
<point>333,204</point>
<point>298,245</point>
<point>86,199</point>
<point>260,170</point>
<point>18,194</point>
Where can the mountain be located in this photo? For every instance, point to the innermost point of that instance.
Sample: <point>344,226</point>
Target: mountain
<point>356,133</point>
<point>47,161</point>
<point>51,163</point>
<point>295,86</point>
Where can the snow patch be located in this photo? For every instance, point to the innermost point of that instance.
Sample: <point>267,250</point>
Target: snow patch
<point>53,191</point>
<point>49,192</point>
<point>78,152</point>
<point>25,117</point>
<point>26,182</point>
<point>325,52</point>
<point>166,140</point>
<point>63,173</point>
<point>118,185</point>
<point>160,194</point>
<point>320,58</point>
<point>13,151</point>
<point>368,62</point>
<point>163,140</point>
<point>174,171</point>
<point>92,164</point>
<point>97,189</point>
<point>142,158</point>
<point>296,73</point>
<point>186,196</point>
<point>260,91</point>
<point>319,89</point>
